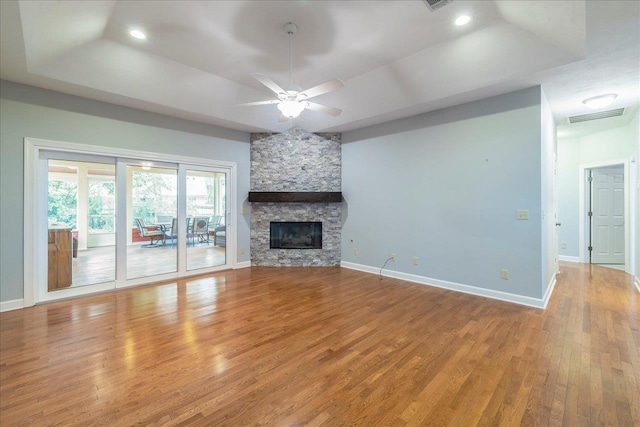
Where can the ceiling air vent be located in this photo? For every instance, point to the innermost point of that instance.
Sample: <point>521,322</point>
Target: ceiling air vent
<point>436,4</point>
<point>595,116</point>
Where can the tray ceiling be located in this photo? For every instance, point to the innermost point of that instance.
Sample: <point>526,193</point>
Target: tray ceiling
<point>396,58</point>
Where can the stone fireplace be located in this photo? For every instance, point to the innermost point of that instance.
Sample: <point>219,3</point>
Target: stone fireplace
<point>296,176</point>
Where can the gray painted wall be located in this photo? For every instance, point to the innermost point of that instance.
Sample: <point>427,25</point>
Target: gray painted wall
<point>613,144</point>
<point>30,112</point>
<point>636,123</point>
<point>568,172</point>
<point>445,187</point>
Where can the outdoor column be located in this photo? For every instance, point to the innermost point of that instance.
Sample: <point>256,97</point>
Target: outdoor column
<point>129,205</point>
<point>82,219</point>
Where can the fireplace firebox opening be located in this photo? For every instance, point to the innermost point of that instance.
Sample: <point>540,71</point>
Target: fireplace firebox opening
<point>296,235</point>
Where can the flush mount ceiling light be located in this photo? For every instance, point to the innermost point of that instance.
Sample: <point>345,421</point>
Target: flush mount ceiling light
<point>137,34</point>
<point>292,102</point>
<point>463,20</point>
<point>600,101</point>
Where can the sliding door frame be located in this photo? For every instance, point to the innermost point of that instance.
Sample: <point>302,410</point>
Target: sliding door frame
<point>35,179</point>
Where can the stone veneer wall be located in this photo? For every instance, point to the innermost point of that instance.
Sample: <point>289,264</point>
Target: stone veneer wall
<point>296,160</point>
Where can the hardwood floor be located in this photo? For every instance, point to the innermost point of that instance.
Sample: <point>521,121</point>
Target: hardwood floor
<point>325,346</point>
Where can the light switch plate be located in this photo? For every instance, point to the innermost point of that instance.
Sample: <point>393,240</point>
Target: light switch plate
<point>522,214</point>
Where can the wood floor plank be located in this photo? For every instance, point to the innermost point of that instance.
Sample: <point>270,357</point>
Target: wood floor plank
<point>325,347</point>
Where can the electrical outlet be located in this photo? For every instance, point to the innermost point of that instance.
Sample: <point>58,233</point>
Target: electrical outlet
<point>393,257</point>
<point>522,214</point>
<point>241,251</point>
<point>355,251</point>
<point>564,246</point>
<point>415,260</point>
<point>504,274</point>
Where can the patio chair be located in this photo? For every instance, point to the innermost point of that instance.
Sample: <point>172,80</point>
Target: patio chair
<point>189,229</point>
<point>220,237</point>
<point>172,233</point>
<point>150,232</point>
<point>214,222</point>
<point>200,229</point>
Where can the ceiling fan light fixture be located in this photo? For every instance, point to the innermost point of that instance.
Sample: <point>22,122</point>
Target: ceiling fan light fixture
<point>290,108</point>
<point>600,101</point>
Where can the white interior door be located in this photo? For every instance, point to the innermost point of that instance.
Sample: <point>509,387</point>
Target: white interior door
<point>607,223</point>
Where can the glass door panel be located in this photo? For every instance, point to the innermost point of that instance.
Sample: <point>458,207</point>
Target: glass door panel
<point>152,206</point>
<point>81,227</point>
<point>205,211</point>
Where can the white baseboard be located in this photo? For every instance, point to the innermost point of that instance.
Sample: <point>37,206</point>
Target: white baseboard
<point>550,287</point>
<point>637,283</point>
<point>568,258</point>
<point>11,305</point>
<point>452,286</point>
<point>243,264</point>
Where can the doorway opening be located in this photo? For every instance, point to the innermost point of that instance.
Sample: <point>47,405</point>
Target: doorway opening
<point>605,215</point>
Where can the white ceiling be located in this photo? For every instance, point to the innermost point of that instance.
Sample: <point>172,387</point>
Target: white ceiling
<point>396,58</point>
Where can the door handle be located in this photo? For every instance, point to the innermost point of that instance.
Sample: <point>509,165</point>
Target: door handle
<point>558,224</point>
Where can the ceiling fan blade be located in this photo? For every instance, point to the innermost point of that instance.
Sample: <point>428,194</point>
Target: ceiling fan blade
<point>283,118</point>
<point>249,104</point>
<point>321,88</point>
<point>268,83</point>
<point>332,111</point>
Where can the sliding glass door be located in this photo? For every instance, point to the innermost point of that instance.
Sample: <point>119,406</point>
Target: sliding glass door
<point>152,204</point>
<point>206,219</point>
<point>80,222</point>
<point>112,222</point>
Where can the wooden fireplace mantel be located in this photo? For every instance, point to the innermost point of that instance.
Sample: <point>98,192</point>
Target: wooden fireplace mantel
<point>295,197</point>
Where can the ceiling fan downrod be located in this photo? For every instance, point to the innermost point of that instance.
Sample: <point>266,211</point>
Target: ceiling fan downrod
<point>291,29</point>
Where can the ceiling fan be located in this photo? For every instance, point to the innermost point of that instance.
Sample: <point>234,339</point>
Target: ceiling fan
<point>292,102</point>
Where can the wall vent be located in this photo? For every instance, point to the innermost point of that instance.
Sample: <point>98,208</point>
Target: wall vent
<point>595,116</point>
<point>436,4</point>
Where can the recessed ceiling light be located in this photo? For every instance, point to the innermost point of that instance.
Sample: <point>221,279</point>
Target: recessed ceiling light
<point>600,101</point>
<point>138,34</point>
<point>463,20</point>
